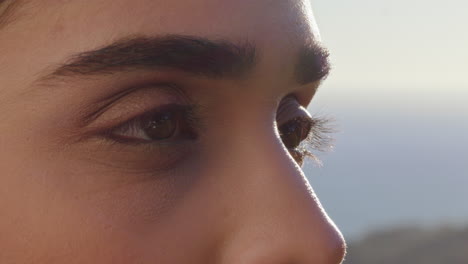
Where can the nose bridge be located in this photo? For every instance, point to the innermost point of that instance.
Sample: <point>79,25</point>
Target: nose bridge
<point>278,218</point>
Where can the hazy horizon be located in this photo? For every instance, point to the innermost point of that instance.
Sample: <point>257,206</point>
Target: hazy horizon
<point>398,92</point>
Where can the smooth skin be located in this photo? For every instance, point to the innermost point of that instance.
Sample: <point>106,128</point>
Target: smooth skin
<point>235,195</point>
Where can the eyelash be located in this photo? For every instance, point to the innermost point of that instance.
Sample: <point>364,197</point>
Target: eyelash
<point>316,139</point>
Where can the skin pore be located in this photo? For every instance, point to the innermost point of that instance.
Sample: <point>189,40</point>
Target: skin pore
<point>159,132</point>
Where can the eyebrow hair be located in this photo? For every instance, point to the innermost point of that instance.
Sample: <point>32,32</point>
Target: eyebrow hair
<point>313,64</point>
<point>195,55</point>
<point>8,11</point>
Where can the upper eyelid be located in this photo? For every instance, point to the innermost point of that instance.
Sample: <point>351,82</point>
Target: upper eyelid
<point>304,94</point>
<point>106,105</point>
<point>169,89</point>
<point>121,110</point>
<point>135,118</point>
<point>139,100</point>
<point>290,107</point>
<point>186,110</point>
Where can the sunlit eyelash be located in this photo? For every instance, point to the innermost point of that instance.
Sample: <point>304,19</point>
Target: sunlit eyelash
<point>319,139</point>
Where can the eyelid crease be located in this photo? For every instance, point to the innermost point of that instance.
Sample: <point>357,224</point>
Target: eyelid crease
<point>105,132</point>
<point>142,99</point>
<point>165,88</point>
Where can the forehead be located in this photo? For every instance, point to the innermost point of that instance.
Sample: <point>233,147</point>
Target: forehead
<point>46,32</point>
<point>259,20</point>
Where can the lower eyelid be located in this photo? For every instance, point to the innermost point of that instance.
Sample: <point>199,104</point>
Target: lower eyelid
<point>139,157</point>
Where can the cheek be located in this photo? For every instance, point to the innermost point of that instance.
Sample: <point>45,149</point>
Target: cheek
<point>65,212</point>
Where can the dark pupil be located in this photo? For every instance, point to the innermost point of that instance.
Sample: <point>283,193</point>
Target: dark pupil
<point>294,132</point>
<point>161,126</point>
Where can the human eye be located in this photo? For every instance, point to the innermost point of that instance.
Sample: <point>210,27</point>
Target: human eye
<point>159,139</point>
<point>301,133</point>
<point>168,124</point>
<point>152,129</point>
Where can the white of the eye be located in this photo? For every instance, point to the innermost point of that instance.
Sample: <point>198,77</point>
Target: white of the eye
<point>133,130</point>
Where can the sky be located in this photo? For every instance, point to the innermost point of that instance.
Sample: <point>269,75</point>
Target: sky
<point>397,42</point>
<point>398,91</point>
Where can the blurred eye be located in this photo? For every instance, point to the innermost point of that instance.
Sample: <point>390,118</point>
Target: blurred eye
<point>295,131</point>
<point>300,132</point>
<point>165,124</point>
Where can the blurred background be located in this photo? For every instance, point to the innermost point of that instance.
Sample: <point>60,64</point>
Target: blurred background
<point>396,182</point>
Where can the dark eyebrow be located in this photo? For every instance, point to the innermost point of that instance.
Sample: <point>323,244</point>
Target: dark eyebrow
<point>8,12</point>
<point>195,55</point>
<point>313,64</point>
<point>199,56</point>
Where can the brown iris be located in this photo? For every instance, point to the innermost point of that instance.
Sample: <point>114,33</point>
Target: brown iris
<point>160,126</point>
<point>294,132</point>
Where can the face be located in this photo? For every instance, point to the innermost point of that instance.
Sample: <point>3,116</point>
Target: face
<point>160,132</point>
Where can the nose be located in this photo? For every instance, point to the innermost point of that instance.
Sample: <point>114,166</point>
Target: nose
<point>276,217</point>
